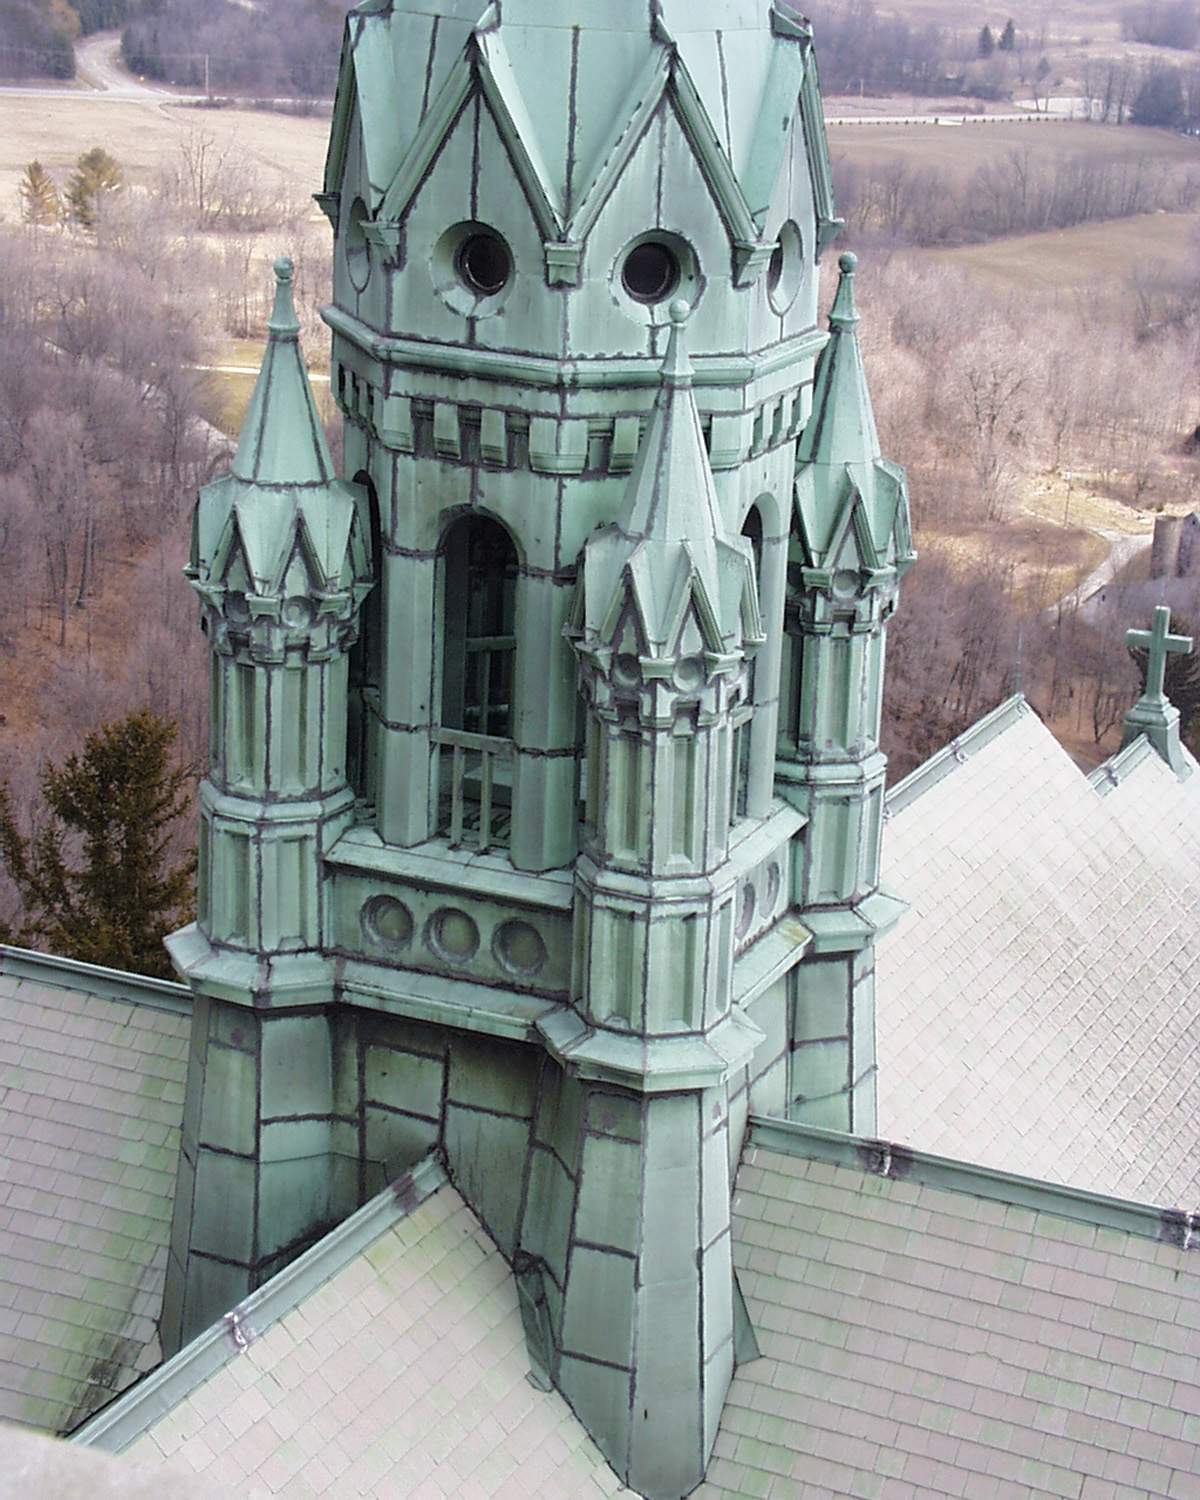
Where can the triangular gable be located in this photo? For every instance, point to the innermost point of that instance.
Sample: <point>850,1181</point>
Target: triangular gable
<point>715,165</point>
<point>500,89</point>
<point>666,77</point>
<point>427,145</point>
<point>812,113</point>
<point>473,74</point>
<point>325,528</point>
<point>266,526</point>
<point>366,86</point>
<point>640,105</point>
<point>773,130</point>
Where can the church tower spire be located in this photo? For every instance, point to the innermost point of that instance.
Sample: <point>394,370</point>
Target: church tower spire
<point>851,547</point>
<point>556,905</point>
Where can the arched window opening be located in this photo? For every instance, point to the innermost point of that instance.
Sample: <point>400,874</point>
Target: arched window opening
<point>480,642</point>
<point>366,667</point>
<point>740,759</point>
<point>479,649</point>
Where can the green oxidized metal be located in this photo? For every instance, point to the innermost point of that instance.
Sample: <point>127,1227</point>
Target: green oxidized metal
<point>543,815</point>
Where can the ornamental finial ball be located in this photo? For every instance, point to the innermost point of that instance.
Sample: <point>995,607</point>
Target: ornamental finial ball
<point>848,262</point>
<point>680,311</point>
<point>285,268</point>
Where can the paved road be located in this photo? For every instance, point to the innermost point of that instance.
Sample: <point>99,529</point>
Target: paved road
<point>102,75</point>
<point>98,64</point>
<point>1090,593</point>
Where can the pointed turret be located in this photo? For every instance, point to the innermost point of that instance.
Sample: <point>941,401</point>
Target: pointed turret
<point>670,552</point>
<point>851,545</point>
<point>665,621</point>
<point>282,562</point>
<point>281,495</point>
<point>282,440</point>
<point>843,482</point>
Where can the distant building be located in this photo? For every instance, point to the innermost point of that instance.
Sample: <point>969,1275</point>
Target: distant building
<point>515,1131</point>
<point>1175,550</point>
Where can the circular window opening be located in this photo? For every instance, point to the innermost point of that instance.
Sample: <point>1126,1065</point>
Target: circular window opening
<point>473,269</point>
<point>453,935</point>
<point>484,264</point>
<point>358,251</point>
<point>520,948</point>
<point>651,271</point>
<point>387,922</point>
<point>785,272</point>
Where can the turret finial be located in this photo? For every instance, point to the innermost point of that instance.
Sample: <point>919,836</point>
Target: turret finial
<point>677,367</point>
<point>844,313</point>
<point>284,323</point>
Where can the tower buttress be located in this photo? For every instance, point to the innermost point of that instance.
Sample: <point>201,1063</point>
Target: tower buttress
<point>851,546</point>
<point>666,617</point>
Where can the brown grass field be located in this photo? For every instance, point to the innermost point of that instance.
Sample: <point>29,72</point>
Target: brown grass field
<point>145,137</point>
<point>1091,256</point>
<point>958,149</point>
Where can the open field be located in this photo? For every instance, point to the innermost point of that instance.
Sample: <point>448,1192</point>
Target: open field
<point>958,150</point>
<point>145,137</point>
<point>1067,260</point>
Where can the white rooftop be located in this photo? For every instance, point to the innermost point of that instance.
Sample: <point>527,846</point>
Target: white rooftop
<point>1039,1005</point>
<point>91,1100</point>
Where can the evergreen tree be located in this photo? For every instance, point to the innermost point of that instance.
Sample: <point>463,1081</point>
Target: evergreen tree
<point>41,203</point>
<point>96,173</point>
<point>1008,37</point>
<point>987,42</point>
<point>1160,100</point>
<point>95,878</point>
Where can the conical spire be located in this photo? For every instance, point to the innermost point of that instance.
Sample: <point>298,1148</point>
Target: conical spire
<point>281,490</point>
<point>282,442</point>
<point>670,545</point>
<point>842,428</point>
<point>671,496</point>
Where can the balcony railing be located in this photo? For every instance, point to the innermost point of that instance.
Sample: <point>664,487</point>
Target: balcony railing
<point>474,782</point>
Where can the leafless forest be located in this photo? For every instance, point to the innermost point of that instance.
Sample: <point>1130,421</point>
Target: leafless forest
<point>1028,418</point>
<point>107,342</point>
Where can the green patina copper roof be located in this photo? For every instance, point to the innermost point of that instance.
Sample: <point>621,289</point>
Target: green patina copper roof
<point>570,83</point>
<point>844,484</point>
<point>282,440</point>
<point>842,429</point>
<point>282,492</point>
<point>670,549</point>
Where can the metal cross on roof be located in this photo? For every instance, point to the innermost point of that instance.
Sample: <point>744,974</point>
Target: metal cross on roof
<point>1160,644</point>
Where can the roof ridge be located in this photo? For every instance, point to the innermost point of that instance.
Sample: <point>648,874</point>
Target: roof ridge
<point>125,1419</point>
<point>940,764</point>
<point>94,979</point>
<point>904,1163</point>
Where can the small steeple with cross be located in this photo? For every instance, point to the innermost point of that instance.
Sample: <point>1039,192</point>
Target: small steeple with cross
<point>1154,715</point>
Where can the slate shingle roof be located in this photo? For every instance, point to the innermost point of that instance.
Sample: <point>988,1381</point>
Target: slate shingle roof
<point>1039,1006</point>
<point>919,1342</point>
<point>91,1100</point>
<point>404,1373</point>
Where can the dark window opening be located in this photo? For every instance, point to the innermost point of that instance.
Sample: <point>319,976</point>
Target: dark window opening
<point>650,272</point>
<point>752,530</point>
<point>485,264</point>
<point>366,665</point>
<point>480,643</point>
<point>479,648</point>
